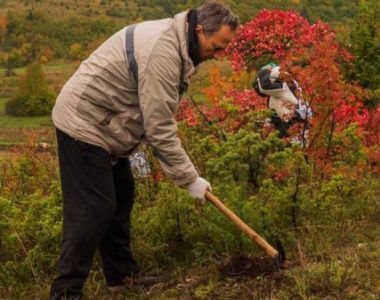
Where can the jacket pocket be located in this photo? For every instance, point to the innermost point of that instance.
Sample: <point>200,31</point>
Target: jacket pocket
<point>123,131</point>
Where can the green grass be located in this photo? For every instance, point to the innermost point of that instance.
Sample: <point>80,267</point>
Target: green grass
<point>351,274</point>
<point>53,67</point>
<point>25,122</point>
<point>2,105</point>
<point>58,67</point>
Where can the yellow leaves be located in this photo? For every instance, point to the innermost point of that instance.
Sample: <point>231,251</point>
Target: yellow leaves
<point>75,51</point>
<point>219,84</point>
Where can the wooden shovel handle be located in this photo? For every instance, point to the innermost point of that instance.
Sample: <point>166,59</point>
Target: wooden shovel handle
<point>263,244</point>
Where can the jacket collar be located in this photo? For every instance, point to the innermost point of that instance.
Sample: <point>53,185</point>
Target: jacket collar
<point>181,27</point>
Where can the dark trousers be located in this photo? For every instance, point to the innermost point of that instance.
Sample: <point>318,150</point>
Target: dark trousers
<point>283,126</point>
<point>97,204</point>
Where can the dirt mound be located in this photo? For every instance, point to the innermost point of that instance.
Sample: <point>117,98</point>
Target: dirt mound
<point>242,265</point>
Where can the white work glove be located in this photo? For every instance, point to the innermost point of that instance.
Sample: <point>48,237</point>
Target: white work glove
<point>198,188</point>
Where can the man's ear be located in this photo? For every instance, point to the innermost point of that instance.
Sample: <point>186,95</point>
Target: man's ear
<point>199,29</point>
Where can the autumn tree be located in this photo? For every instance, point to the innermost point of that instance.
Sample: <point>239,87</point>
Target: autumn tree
<point>307,53</point>
<point>3,27</point>
<point>365,45</point>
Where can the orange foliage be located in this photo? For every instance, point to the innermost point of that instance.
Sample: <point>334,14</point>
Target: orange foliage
<point>3,22</point>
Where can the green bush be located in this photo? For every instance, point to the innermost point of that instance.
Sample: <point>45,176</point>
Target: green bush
<point>33,97</point>
<point>270,185</point>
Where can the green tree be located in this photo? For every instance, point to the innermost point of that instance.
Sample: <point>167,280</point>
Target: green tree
<point>33,97</point>
<point>365,44</point>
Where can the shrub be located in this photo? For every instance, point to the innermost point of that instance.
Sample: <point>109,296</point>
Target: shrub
<point>33,97</point>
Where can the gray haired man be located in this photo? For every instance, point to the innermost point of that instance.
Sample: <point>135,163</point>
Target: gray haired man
<point>124,94</point>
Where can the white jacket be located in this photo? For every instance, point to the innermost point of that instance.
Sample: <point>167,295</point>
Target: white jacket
<point>277,90</point>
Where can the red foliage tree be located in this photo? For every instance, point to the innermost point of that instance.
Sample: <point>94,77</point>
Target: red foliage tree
<point>226,105</point>
<point>307,53</point>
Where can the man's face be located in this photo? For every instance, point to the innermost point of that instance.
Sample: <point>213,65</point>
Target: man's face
<point>212,46</point>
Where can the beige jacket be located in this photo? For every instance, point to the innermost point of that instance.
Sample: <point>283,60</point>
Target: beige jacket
<point>102,104</point>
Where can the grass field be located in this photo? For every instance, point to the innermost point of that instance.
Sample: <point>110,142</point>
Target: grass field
<point>48,68</point>
<point>20,130</point>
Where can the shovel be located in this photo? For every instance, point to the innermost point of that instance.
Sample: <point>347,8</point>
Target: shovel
<point>278,257</point>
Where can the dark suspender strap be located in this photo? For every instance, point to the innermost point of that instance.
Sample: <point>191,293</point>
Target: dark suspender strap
<point>129,45</point>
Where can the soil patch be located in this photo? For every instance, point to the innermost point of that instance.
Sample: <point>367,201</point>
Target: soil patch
<point>242,265</point>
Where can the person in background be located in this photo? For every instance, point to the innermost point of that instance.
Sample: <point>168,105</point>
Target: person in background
<point>285,100</point>
<point>125,94</point>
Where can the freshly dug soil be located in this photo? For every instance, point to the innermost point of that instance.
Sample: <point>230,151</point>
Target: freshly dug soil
<point>242,265</point>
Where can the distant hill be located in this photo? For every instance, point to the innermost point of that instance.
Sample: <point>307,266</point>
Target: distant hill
<point>46,30</point>
<point>332,11</point>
